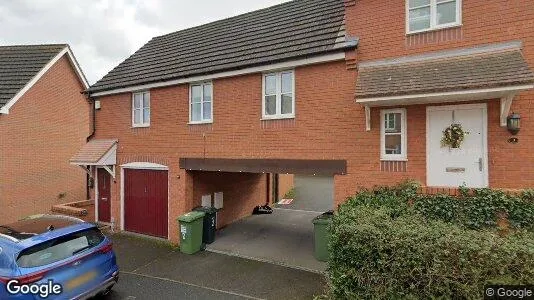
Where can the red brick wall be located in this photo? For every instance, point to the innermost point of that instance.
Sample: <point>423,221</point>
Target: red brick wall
<point>285,183</point>
<point>241,193</point>
<point>237,131</point>
<point>45,128</point>
<point>328,124</point>
<point>380,25</point>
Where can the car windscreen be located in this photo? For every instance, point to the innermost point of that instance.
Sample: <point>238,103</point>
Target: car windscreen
<point>60,248</point>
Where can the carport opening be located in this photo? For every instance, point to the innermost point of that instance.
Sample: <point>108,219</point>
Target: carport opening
<point>314,193</point>
<point>286,235</point>
<point>236,195</point>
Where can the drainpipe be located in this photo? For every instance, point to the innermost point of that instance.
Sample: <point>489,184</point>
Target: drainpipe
<point>91,135</point>
<point>93,113</point>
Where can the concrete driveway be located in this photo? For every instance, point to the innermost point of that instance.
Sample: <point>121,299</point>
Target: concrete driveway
<point>284,237</point>
<point>151,269</point>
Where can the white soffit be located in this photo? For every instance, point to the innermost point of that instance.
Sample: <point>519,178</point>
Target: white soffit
<point>455,96</point>
<point>259,69</point>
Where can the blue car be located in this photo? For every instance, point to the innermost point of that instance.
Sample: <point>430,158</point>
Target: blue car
<point>55,257</point>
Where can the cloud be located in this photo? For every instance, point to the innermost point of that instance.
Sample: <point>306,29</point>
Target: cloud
<point>102,33</point>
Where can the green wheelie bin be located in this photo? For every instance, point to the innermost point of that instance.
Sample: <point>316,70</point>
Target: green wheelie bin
<point>321,235</point>
<point>191,232</point>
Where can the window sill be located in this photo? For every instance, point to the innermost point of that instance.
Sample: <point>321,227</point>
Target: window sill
<point>141,126</point>
<point>434,29</point>
<point>393,159</point>
<point>200,123</point>
<point>277,118</point>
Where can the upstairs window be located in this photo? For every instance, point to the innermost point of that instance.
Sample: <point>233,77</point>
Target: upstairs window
<point>201,103</point>
<point>279,95</point>
<point>141,109</point>
<point>423,15</point>
<point>393,134</point>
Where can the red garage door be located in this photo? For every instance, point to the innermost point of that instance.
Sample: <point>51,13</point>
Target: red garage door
<point>145,202</point>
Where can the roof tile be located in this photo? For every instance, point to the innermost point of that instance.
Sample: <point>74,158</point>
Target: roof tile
<point>290,30</point>
<point>19,64</point>
<point>477,71</point>
<point>93,151</point>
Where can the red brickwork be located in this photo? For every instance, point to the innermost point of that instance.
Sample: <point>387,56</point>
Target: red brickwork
<point>328,124</point>
<point>384,36</point>
<point>241,193</point>
<point>44,128</point>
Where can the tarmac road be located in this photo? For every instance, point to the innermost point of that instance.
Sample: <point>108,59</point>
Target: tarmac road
<point>151,269</point>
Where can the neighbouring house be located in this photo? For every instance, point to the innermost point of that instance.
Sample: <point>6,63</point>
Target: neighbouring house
<point>342,94</point>
<point>44,120</point>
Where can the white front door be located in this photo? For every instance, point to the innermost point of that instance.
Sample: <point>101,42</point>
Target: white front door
<point>467,165</point>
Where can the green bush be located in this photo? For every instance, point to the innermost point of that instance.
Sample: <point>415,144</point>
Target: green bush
<point>476,209</point>
<point>290,194</point>
<point>397,198</point>
<point>391,242</point>
<point>479,208</point>
<point>378,254</point>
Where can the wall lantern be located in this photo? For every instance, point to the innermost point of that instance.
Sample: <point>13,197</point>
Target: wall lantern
<point>513,123</point>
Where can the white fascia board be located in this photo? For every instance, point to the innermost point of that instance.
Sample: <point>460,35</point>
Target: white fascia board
<point>259,69</point>
<point>456,96</point>
<point>144,166</point>
<point>35,79</point>
<point>77,68</point>
<point>110,158</point>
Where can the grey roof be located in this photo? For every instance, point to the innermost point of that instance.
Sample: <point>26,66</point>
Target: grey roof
<point>294,29</point>
<point>444,73</point>
<point>19,64</point>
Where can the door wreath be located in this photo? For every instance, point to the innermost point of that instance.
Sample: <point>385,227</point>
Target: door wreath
<point>453,136</point>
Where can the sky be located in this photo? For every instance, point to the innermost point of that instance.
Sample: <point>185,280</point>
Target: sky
<point>102,33</point>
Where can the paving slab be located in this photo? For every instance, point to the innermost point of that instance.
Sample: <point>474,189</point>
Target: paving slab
<point>284,237</point>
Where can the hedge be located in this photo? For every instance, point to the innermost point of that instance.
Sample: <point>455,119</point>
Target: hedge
<point>391,243</point>
<point>475,209</point>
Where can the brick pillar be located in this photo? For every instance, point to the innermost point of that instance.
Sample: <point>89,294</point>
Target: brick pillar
<point>180,199</point>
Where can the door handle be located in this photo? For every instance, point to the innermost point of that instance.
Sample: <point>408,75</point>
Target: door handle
<point>104,199</point>
<point>480,164</point>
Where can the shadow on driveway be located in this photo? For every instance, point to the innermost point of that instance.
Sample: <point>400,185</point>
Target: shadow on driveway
<point>284,237</point>
<point>153,269</point>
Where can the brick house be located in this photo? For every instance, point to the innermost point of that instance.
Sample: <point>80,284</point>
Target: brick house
<point>357,93</point>
<point>44,120</point>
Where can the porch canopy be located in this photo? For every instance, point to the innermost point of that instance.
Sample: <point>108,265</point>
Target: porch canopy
<point>102,153</point>
<point>495,71</point>
<point>278,166</point>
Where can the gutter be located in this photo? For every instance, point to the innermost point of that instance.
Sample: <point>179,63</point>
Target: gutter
<point>333,54</point>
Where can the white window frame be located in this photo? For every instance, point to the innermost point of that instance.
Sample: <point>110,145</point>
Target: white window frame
<point>201,84</point>
<point>404,147</point>
<point>143,123</point>
<point>278,114</point>
<point>433,16</point>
